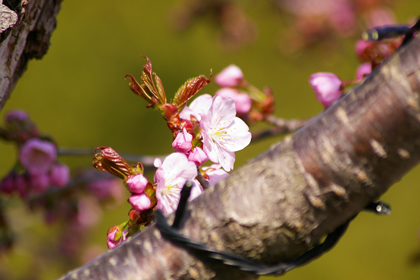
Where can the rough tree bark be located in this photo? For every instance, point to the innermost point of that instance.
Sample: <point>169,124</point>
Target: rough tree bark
<point>28,38</point>
<point>280,204</point>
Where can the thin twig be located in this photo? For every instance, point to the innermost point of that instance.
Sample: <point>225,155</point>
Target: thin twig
<point>281,126</point>
<point>147,161</point>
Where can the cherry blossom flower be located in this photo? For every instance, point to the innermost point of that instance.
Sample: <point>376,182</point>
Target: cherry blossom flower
<point>214,174</point>
<point>327,86</point>
<point>59,175</point>
<point>223,133</point>
<point>182,142</point>
<point>136,183</point>
<point>200,106</point>
<point>198,156</point>
<point>231,76</point>
<point>37,156</point>
<point>170,178</point>
<point>242,100</point>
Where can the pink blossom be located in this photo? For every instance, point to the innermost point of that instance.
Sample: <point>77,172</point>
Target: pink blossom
<point>327,86</point>
<point>136,183</point>
<point>37,156</point>
<point>198,156</point>
<point>39,182</point>
<point>231,76</point>
<point>223,133</point>
<point>242,100</point>
<point>198,107</point>
<point>170,178</point>
<point>140,202</point>
<point>182,142</point>
<point>363,69</point>
<point>215,174</point>
<point>59,175</point>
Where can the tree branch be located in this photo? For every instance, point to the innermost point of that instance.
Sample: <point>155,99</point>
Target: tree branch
<point>28,39</point>
<point>282,203</point>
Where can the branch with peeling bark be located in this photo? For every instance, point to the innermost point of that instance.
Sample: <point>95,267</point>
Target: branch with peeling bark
<point>282,203</point>
<point>28,39</point>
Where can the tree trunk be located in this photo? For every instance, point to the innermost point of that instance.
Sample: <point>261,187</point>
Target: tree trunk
<point>282,203</point>
<point>28,38</point>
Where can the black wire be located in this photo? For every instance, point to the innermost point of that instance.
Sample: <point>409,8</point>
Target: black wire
<point>172,234</point>
<point>391,31</point>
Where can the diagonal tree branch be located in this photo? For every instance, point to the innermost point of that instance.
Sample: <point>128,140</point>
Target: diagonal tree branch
<point>28,39</point>
<point>282,203</point>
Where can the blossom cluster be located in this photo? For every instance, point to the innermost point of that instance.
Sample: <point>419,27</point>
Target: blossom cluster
<point>207,129</point>
<point>37,168</point>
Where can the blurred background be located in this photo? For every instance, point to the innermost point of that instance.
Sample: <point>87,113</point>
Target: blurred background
<point>77,93</point>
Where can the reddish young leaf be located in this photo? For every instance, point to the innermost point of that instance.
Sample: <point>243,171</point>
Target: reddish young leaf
<point>189,89</point>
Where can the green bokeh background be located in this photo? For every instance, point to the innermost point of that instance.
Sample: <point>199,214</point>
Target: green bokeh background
<point>78,94</point>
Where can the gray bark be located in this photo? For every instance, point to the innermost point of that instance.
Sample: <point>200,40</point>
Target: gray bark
<point>27,39</point>
<point>280,204</point>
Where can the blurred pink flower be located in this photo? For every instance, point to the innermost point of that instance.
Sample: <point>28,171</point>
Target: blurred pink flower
<point>327,86</point>
<point>231,76</point>
<point>59,175</point>
<point>242,100</point>
<point>182,142</point>
<point>170,178</point>
<point>140,202</point>
<point>37,156</point>
<point>136,183</point>
<point>363,69</point>
<point>198,156</point>
<point>380,16</point>
<point>39,182</point>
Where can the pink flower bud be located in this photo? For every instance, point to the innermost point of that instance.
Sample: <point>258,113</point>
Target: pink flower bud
<point>59,175</point>
<point>229,77</point>
<point>182,142</point>
<point>115,237</point>
<point>37,156</point>
<point>39,182</point>
<point>327,86</point>
<point>363,69</point>
<point>140,202</point>
<point>16,115</point>
<point>7,185</point>
<point>198,156</point>
<point>242,100</point>
<point>136,183</point>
